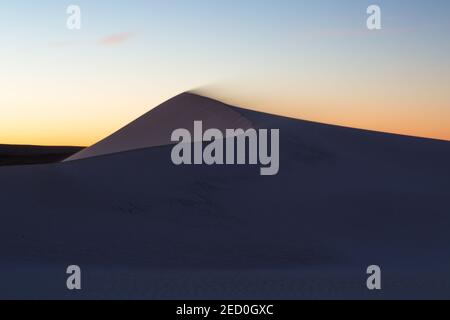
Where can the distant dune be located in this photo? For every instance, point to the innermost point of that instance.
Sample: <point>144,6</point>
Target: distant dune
<point>23,154</point>
<point>141,227</point>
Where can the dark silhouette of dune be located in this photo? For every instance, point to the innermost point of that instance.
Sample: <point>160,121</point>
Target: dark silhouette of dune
<point>141,227</point>
<point>24,154</point>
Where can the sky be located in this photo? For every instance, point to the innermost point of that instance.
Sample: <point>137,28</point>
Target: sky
<point>307,59</point>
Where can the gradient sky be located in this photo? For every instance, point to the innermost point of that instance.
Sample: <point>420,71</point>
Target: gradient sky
<point>311,59</point>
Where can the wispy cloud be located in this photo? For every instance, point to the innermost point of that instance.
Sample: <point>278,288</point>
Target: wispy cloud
<point>116,39</point>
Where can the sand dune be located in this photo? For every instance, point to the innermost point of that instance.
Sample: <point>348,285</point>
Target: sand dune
<point>155,127</point>
<point>141,227</point>
<point>23,154</point>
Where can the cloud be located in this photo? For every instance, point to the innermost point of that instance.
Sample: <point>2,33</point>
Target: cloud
<point>116,39</point>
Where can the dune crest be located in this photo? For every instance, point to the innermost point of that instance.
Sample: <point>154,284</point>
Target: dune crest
<point>155,127</point>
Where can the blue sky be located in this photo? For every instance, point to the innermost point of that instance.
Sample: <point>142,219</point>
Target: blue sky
<point>307,59</point>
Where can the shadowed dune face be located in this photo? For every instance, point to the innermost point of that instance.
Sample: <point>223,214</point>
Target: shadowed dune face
<point>12,155</point>
<point>343,199</point>
<point>155,127</point>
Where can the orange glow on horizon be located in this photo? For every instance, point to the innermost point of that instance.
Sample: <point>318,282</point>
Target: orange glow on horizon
<point>86,131</point>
